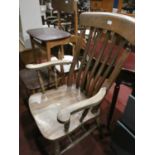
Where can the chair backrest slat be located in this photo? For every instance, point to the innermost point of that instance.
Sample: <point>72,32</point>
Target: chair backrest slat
<point>101,69</point>
<point>108,70</point>
<point>87,48</point>
<point>104,62</point>
<point>117,69</point>
<point>101,52</point>
<point>78,41</point>
<point>106,49</point>
<point>90,56</point>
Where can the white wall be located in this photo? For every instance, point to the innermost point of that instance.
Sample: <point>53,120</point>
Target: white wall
<point>30,16</point>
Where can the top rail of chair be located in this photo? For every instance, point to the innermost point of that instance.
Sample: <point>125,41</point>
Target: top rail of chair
<point>122,24</point>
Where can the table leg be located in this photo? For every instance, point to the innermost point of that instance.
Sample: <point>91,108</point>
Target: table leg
<point>33,48</point>
<point>113,104</point>
<point>48,49</point>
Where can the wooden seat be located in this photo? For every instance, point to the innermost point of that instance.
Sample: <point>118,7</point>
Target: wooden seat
<point>53,101</point>
<point>59,112</point>
<point>69,9</point>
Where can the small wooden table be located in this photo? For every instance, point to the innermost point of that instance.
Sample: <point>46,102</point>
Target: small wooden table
<point>47,38</point>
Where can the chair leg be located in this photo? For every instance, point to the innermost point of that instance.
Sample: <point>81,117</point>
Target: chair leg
<point>99,127</point>
<point>57,148</point>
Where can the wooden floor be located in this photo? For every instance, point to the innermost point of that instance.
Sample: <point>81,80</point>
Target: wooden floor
<point>92,145</point>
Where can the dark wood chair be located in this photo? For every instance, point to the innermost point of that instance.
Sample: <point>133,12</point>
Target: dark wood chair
<point>61,112</point>
<point>67,15</point>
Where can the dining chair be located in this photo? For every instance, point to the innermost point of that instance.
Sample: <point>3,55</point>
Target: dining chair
<point>29,78</point>
<point>60,113</point>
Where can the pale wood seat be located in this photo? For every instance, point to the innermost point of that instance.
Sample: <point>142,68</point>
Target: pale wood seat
<point>59,112</point>
<point>53,101</point>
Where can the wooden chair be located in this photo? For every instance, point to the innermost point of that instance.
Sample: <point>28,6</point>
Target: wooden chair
<point>46,39</point>
<point>67,19</point>
<point>62,112</point>
<point>66,9</point>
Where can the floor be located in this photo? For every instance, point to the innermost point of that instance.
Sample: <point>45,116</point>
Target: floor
<point>91,145</point>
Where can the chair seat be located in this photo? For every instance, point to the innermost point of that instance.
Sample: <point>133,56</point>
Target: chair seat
<point>45,107</point>
<point>48,34</point>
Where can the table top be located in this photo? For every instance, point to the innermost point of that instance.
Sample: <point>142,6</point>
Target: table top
<point>48,34</point>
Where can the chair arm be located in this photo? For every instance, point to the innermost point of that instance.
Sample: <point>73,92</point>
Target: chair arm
<point>65,113</point>
<point>51,18</point>
<point>46,64</point>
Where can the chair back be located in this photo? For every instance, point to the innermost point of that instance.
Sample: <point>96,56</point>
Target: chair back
<point>66,6</point>
<point>108,44</point>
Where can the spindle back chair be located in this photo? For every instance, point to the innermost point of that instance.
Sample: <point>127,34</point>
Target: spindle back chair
<point>69,7</point>
<point>61,112</point>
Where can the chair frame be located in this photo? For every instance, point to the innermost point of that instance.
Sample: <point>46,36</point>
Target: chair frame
<point>69,7</point>
<point>94,85</point>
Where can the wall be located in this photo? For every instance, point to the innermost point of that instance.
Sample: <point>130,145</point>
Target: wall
<point>30,17</point>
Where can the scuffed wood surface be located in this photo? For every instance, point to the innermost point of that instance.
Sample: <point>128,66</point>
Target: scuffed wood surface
<point>44,109</point>
<point>65,114</point>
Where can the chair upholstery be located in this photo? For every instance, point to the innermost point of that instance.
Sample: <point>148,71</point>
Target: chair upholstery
<point>59,112</point>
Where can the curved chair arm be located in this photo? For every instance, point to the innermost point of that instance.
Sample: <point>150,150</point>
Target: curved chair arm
<point>65,113</point>
<point>46,64</point>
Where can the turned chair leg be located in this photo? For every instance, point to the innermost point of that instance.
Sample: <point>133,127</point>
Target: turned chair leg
<point>57,148</point>
<point>99,127</point>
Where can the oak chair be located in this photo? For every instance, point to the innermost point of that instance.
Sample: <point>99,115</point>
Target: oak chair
<point>61,112</point>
